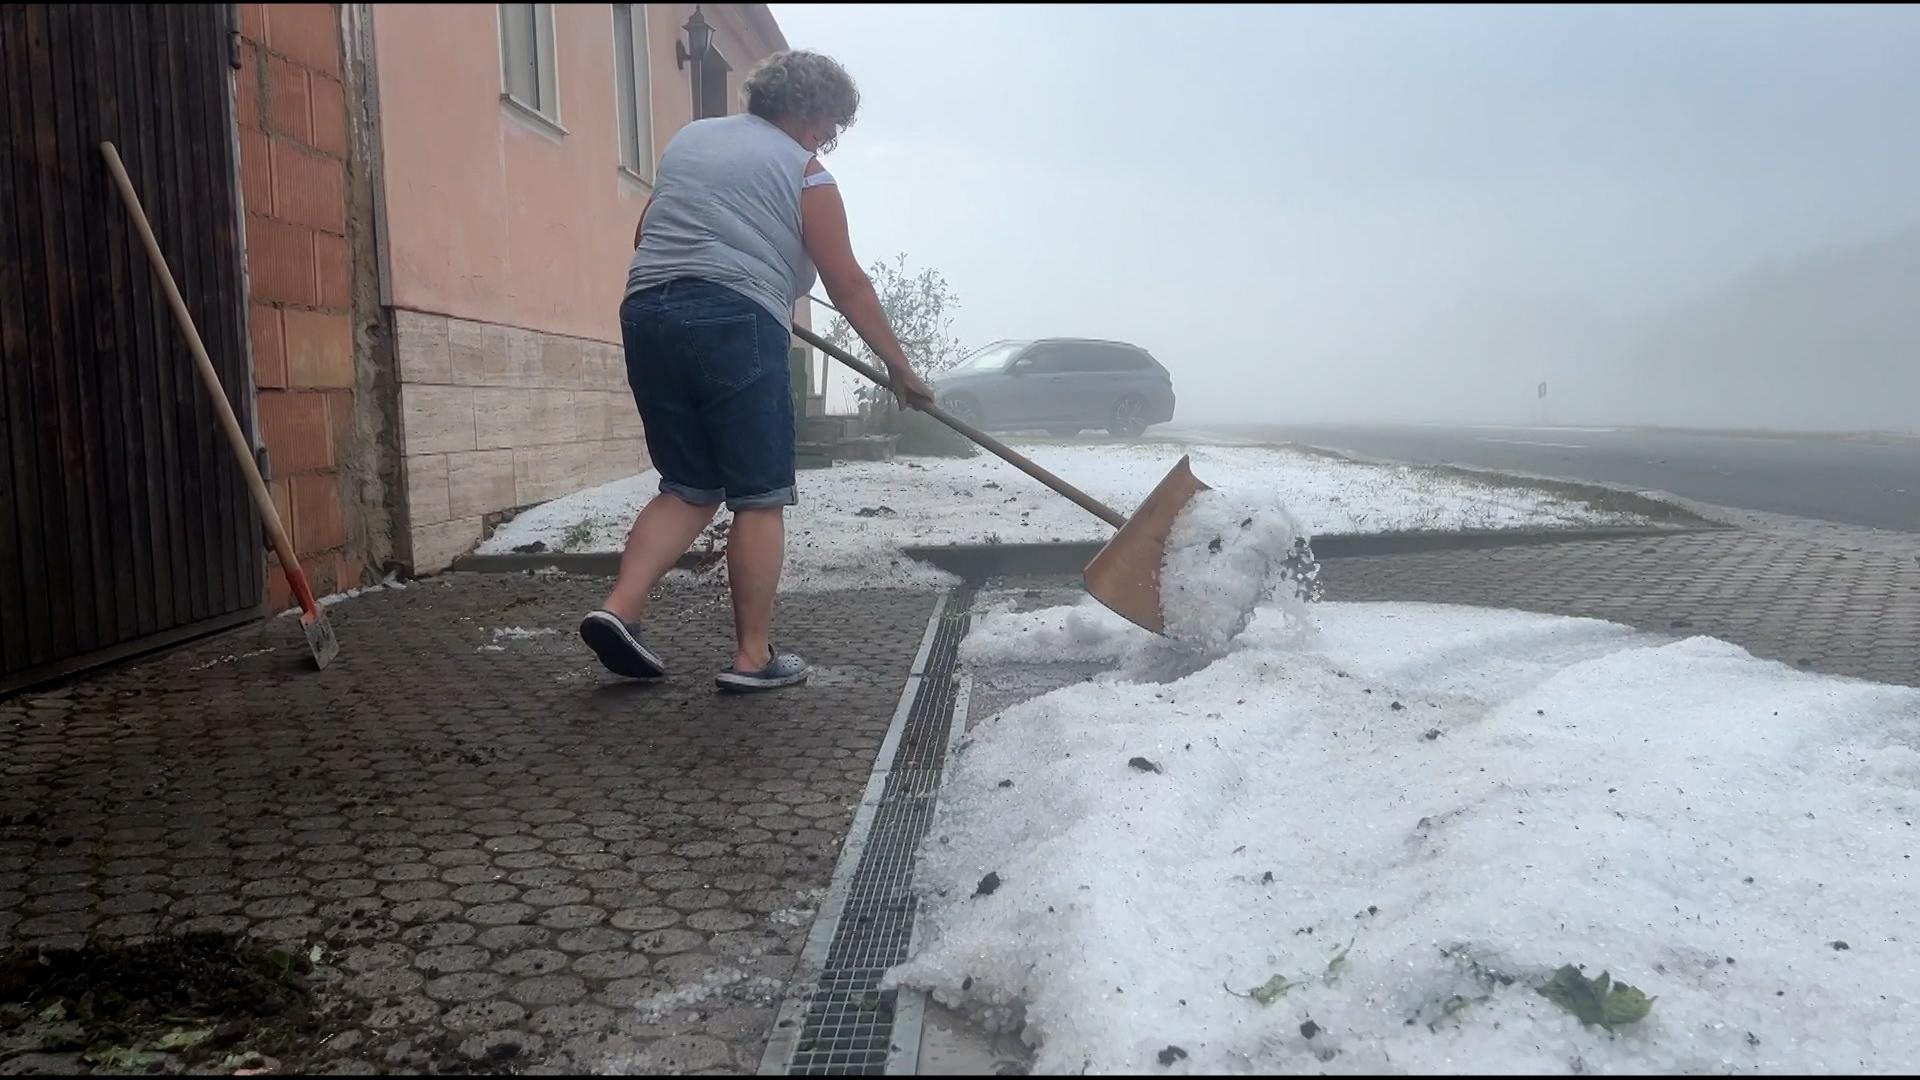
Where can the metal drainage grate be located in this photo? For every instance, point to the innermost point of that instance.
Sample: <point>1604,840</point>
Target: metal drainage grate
<point>848,1023</point>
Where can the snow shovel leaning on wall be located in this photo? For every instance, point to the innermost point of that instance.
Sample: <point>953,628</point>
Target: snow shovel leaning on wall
<point>1125,576</point>
<point>313,619</point>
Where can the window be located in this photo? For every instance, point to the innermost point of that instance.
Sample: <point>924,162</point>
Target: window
<point>1049,359</point>
<point>633,88</point>
<point>993,357</point>
<point>526,58</point>
<point>710,85</point>
<point>1116,358</point>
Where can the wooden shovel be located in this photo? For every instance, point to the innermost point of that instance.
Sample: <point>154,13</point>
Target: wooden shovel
<point>1125,575</point>
<point>313,619</point>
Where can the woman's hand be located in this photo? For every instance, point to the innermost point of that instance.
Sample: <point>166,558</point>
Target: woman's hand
<point>910,388</point>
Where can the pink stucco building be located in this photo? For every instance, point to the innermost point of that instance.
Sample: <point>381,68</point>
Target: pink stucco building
<point>516,148</point>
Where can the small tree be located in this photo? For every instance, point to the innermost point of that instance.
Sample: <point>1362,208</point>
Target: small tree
<point>920,306</point>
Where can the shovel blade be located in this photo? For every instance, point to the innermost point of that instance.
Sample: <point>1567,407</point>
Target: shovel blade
<point>320,639</point>
<point>1125,576</point>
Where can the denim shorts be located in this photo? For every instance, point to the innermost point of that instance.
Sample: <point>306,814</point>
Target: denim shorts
<point>708,368</point>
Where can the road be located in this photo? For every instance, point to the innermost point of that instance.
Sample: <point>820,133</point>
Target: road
<point>1865,482</point>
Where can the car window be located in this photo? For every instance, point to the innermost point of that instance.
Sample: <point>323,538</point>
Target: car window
<point>992,357</point>
<point>1102,358</point>
<point>1049,359</point>
<point>1119,358</point>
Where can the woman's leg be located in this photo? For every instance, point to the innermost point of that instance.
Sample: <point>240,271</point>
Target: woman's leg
<point>663,530</point>
<point>653,328</point>
<point>756,546</point>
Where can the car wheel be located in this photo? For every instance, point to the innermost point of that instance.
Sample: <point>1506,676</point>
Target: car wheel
<point>1128,419</point>
<point>964,409</point>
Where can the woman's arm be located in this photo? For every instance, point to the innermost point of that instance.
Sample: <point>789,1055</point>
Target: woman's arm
<point>823,225</point>
<point>638,226</point>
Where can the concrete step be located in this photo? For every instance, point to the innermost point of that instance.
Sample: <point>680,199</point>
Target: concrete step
<point>865,448</point>
<point>813,455</point>
<point>827,429</point>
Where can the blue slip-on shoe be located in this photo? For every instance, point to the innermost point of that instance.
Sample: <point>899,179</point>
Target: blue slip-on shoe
<point>784,670</point>
<point>619,647</point>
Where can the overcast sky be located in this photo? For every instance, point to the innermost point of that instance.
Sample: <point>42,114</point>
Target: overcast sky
<point>1351,212</point>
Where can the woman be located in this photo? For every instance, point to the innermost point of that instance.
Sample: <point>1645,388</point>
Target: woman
<point>741,216</point>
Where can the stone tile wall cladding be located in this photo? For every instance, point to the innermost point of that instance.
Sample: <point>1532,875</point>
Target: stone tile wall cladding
<point>497,418</point>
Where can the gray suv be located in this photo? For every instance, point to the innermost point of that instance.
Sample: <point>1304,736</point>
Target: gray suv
<point>1060,385</point>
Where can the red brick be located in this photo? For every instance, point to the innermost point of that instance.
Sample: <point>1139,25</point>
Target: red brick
<point>269,347</point>
<point>294,427</point>
<point>253,22</point>
<point>246,88</point>
<point>335,271</point>
<point>280,262</point>
<point>340,420</point>
<point>329,115</point>
<point>309,33</point>
<point>318,523</point>
<point>309,189</point>
<point>319,349</point>
<point>256,173</point>
<point>289,111</point>
<point>279,593</point>
<point>282,492</point>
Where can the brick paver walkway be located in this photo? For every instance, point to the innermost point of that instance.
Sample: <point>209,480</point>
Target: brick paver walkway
<point>504,854</point>
<point>1840,612</point>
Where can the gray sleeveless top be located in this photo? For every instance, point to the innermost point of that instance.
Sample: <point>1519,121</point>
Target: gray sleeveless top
<point>726,208</point>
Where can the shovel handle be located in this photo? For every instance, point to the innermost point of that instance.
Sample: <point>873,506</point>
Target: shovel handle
<point>992,445</point>
<point>237,439</point>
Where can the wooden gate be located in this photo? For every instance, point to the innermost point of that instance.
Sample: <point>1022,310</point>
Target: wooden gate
<point>124,523</point>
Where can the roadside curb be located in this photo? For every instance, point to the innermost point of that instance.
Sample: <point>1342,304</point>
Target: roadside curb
<point>975,562</point>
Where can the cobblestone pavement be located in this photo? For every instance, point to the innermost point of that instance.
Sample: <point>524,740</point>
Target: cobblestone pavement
<point>505,855</point>
<point>1841,612</point>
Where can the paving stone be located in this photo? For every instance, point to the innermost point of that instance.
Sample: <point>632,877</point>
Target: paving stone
<point>1782,599</point>
<point>491,1014</point>
<point>502,1048</point>
<point>489,892</point>
<point>611,964</point>
<point>572,917</point>
<point>533,962</point>
<point>403,1011</point>
<point>509,938</point>
<point>549,990</point>
<point>364,959</point>
<point>683,1054</point>
<point>645,918</point>
<point>692,968</point>
<point>566,1021</point>
<point>465,986</point>
<point>669,941</point>
<point>626,993</point>
<point>421,807</point>
<point>452,959</point>
<point>558,896</point>
<point>506,914</point>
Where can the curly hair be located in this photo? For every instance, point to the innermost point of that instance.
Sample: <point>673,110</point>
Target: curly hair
<point>804,86</point>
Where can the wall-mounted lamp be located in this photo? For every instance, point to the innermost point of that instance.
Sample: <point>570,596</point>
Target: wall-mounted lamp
<point>699,40</point>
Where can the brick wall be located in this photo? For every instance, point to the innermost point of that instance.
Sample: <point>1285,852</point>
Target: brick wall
<point>291,113</point>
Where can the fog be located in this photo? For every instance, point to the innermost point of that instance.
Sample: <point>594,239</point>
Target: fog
<point>1682,216</point>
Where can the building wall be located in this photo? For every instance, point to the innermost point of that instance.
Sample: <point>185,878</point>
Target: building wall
<point>506,241</point>
<point>291,116</point>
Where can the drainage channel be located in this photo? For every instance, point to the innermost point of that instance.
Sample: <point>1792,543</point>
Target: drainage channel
<point>842,1022</point>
